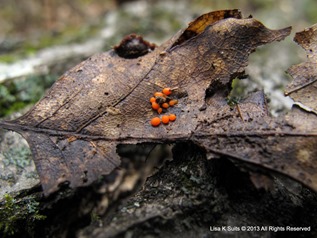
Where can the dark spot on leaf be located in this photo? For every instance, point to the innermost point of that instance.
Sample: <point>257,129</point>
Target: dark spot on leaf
<point>133,46</point>
<point>180,93</point>
<point>242,76</point>
<point>64,185</point>
<point>203,107</point>
<point>85,176</point>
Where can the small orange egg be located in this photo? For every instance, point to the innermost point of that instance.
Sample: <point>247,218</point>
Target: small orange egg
<point>165,105</point>
<point>155,105</point>
<point>156,121</point>
<point>165,119</point>
<point>173,102</point>
<point>152,99</point>
<point>159,94</point>
<point>172,117</point>
<point>167,91</point>
<point>159,111</point>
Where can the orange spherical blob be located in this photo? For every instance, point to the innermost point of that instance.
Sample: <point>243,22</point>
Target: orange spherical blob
<point>165,119</point>
<point>155,105</point>
<point>159,94</point>
<point>152,99</point>
<point>173,102</point>
<point>165,105</point>
<point>156,121</point>
<point>172,117</point>
<point>159,111</point>
<point>167,91</point>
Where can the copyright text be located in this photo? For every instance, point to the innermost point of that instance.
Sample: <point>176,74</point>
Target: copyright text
<point>258,228</point>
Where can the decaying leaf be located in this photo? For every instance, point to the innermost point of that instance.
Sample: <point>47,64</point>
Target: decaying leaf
<point>103,102</point>
<point>287,145</point>
<point>303,89</point>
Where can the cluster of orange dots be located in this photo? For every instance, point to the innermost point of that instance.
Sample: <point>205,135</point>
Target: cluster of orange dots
<point>161,101</point>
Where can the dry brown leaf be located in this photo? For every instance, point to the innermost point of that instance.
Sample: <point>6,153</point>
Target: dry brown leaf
<point>287,145</point>
<point>75,129</point>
